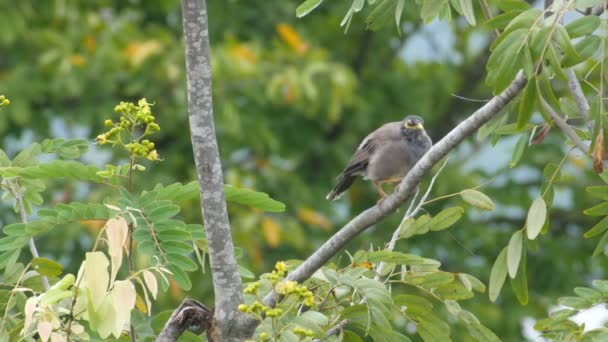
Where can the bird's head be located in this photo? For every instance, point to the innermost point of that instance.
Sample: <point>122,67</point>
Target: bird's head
<point>412,123</point>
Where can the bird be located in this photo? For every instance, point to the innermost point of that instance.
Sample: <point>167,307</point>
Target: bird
<point>385,156</point>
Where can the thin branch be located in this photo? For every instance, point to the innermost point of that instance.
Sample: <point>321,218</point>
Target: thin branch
<point>32,244</point>
<point>568,131</point>
<point>406,188</point>
<point>227,283</point>
<point>334,330</point>
<point>411,212</point>
<point>579,97</point>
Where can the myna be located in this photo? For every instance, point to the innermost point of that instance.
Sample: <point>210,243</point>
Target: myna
<point>385,156</point>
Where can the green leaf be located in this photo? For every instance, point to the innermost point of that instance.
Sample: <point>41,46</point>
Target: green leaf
<point>252,198</point>
<point>53,296</point>
<point>518,151</point>
<point>10,243</point>
<point>526,104</point>
<point>477,199</point>
<point>598,210</point>
<point>501,21</point>
<point>563,39</point>
<point>589,294</point>
<point>307,7</point>
<point>519,284</point>
<point>180,277</point>
<point>445,218</point>
<point>600,192</point>
<point>47,267</point>
<point>585,48</point>
<point>182,261</point>
<point>598,229</point>
<point>498,275</point>
<point>513,5</point>
<point>584,4</point>
<point>536,218</point>
<point>454,291</point>
<point>575,302</point>
<point>600,245</point>
<point>467,11</point>
<point>380,14</point>
<point>245,273</point>
<point>583,26</point>
<point>431,9</point>
<point>514,253</point>
<point>601,285</point>
<point>511,129</point>
<point>394,258</point>
<point>9,258</point>
<point>174,235</point>
<point>163,212</point>
<point>398,13</point>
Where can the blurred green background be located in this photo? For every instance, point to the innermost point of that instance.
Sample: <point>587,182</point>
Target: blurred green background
<point>292,99</point>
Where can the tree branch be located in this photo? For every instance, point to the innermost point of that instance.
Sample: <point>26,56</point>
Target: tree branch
<point>407,186</point>
<point>579,97</point>
<point>189,314</point>
<point>568,131</point>
<point>224,269</point>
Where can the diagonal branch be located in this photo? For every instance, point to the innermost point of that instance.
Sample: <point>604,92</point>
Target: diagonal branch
<point>407,186</point>
<point>224,269</point>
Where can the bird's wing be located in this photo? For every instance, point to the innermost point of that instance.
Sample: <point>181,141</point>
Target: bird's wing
<point>359,161</point>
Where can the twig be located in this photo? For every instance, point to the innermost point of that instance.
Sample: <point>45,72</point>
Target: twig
<point>373,215</point>
<point>334,330</point>
<point>19,197</point>
<point>579,97</point>
<point>488,14</point>
<point>411,212</point>
<point>568,131</point>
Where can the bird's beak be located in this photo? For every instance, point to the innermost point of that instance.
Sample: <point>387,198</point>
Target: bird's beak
<point>418,127</point>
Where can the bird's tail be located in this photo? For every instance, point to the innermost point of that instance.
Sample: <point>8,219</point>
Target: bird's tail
<point>344,182</point>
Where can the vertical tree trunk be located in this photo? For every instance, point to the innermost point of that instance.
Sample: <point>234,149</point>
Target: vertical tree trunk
<point>226,278</point>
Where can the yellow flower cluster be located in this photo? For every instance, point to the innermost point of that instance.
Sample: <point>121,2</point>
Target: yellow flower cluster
<point>132,116</point>
<point>259,308</point>
<point>288,287</point>
<point>303,332</point>
<point>4,101</point>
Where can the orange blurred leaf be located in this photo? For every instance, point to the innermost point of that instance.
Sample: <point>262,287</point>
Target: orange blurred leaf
<point>314,218</point>
<point>77,59</point>
<point>599,152</point>
<point>272,231</point>
<point>137,52</point>
<point>90,43</point>
<point>244,53</point>
<point>292,38</point>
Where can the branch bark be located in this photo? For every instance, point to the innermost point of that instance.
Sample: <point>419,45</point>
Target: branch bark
<point>189,314</point>
<point>407,186</point>
<point>224,269</point>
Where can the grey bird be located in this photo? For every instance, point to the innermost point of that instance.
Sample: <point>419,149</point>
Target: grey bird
<point>385,156</point>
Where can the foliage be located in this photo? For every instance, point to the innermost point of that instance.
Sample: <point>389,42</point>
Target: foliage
<point>67,62</point>
<point>98,300</point>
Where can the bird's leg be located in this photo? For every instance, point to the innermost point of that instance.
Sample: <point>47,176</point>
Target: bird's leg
<point>392,180</point>
<point>380,191</point>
